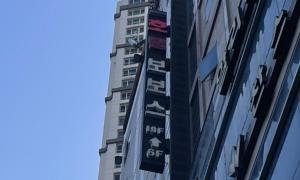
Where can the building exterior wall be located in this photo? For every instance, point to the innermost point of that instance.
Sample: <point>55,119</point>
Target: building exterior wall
<point>246,131</point>
<point>112,127</point>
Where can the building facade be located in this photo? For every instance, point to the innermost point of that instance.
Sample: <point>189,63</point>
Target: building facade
<point>232,105</point>
<point>238,74</point>
<point>130,20</point>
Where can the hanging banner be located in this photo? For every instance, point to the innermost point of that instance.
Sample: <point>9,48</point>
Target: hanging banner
<point>153,128</point>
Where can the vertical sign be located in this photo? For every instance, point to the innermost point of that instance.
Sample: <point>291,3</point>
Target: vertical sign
<point>153,140</point>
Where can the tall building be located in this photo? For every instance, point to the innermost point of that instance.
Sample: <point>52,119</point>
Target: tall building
<point>130,18</point>
<point>234,100</point>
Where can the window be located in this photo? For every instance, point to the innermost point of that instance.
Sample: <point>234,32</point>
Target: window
<point>118,161</point>
<point>120,133</point>
<point>129,13</point>
<point>129,71</point>
<point>121,120</point>
<point>135,30</point>
<point>133,12</point>
<point>131,51</point>
<point>136,1</point>
<point>141,29</point>
<point>123,107</point>
<point>136,20</point>
<point>127,82</point>
<point>128,61</point>
<point>119,147</point>
<point>136,12</point>
<point>117,176</point>
<point>125,95</point>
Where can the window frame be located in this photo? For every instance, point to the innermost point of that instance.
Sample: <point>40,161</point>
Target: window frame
<point>125,105</point>
<point>129,71</point>
<point>120,133</point>
<point>118,145</point>
<point>128,82</point>
<point>117,174</point>
<point>121,120</point>
<point>126,94</point>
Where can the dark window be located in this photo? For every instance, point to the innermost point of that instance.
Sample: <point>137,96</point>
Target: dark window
<point>120,133</point>
<point>128,61</point>
<point>125,95</point>
<point>123,107</point>
<point>136,1</point>
<point>121,120</point>
<point>128,82</point>
<point>129,13</point>
<point>129,71</point>
<point>117,176</point>
<point>141,29</point>
<point>119,147</point>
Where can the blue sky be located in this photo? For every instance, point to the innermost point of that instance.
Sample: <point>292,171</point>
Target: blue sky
<point>54,65</point>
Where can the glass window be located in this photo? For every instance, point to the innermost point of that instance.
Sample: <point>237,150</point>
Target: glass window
<point>131,51</point>
<point>121,120</point>
<point>133,12</point>
<point>137,20</point>
<point>129,71</point>
<point>129,21</point>
<point>119,147</point>
<point>132,71</point>
<point>129,13</point>
<point>128,31</point>
<point>123,107</point>
<point>128,82</point>
<point>117,164</point>
<point>136,12</point>
<point>141,37</point>
<point>125,95</point>
<point>117,176</point>
<point>141,29</point>
<point>120,133</point>
<point>136,1</point>
<point>128,61</point>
